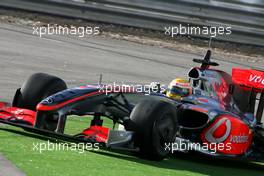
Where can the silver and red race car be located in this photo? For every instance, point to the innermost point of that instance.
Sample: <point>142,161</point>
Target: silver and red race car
<point>222,117</point>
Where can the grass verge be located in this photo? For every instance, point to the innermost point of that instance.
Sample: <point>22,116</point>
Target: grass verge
<point>17,146</point>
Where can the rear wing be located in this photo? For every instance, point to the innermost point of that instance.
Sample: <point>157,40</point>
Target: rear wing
<point>252,81</point>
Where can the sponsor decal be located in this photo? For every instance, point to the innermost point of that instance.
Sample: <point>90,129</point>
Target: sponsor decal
<point>223,123</point>
<point>48,100</point>
<point>228,129</point>
<point>256,79</point>
<point>239,139</point>
<point>249,78</point>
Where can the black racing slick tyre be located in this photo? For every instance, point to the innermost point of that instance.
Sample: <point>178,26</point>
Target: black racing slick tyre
<point>36,88</point>
<point>155,127</point>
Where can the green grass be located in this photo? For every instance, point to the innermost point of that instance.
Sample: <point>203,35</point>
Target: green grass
<point>17,146</point>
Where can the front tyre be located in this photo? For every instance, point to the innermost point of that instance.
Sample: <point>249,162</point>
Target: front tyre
<point>38,87</point>
<point>156,125</point>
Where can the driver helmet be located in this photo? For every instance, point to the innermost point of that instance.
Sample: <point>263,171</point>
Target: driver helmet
<point>178,88</point>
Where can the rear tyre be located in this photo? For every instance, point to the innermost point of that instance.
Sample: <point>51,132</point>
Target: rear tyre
<point>38,87</point>
<point>155,125</point>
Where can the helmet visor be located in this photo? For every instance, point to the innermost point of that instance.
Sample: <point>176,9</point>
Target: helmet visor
<point>179,91</point>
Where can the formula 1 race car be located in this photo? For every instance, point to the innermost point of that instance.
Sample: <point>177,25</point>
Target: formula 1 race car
<point>223,113</point>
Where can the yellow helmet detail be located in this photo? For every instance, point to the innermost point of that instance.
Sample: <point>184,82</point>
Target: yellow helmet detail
<point>179,88</point>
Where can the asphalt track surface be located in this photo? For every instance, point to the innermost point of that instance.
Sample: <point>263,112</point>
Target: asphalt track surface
<point>7,168</point>
<point>80,61</point>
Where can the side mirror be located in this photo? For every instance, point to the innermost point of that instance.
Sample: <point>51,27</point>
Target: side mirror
<point>194,73</point>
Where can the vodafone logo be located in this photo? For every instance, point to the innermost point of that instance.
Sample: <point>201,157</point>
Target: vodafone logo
<point>224,126</point>
<point>256,79</point>
<point>239,139</point>
<point>248,77</point>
